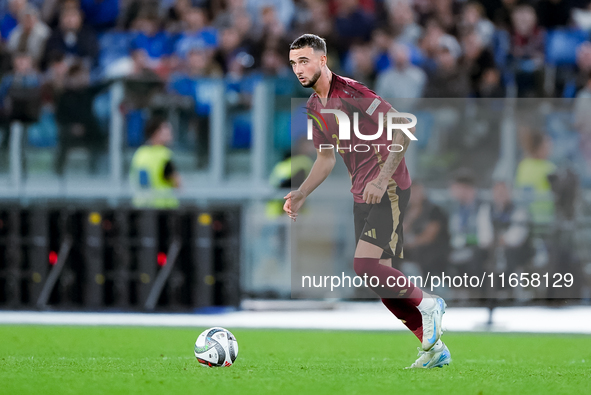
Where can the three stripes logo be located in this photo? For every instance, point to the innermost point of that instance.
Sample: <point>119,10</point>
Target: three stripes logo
<point>371,233</point>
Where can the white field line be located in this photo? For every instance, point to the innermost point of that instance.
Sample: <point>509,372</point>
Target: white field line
<point>371,317</point>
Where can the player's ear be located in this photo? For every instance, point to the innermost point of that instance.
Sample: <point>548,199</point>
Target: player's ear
<point>323,60</point>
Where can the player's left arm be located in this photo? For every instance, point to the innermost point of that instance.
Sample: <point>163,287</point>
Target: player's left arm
<point>375,189</point>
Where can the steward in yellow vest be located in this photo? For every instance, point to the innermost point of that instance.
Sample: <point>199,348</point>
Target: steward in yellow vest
<point>533,178</point>
<point>289,173</point>
<point>153,176</point>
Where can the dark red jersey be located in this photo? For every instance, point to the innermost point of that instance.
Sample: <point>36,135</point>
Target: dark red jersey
<point>363,158</point>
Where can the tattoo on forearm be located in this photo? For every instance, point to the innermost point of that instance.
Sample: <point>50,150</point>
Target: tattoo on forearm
<point>394,158</point>
<point>381,188</point>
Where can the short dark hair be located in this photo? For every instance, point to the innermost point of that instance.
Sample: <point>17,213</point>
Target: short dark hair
<point>153,124</point>
<point>20,54</point>
<point>464,176</point>
<point>537,140</point>
<point>313,41</point>
<point>55,56</point>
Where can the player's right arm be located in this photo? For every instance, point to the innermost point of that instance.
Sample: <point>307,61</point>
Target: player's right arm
<point>323,165</point>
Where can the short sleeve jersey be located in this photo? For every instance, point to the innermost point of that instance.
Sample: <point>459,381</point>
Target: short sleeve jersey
<point>363,158</point>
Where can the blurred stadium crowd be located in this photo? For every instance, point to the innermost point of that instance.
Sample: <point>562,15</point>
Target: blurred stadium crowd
<point>449,48</point>
<point>55,54</point>
<point>58,59</point>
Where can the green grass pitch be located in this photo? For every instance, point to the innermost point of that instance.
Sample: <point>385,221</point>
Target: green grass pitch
<point>130,360</point>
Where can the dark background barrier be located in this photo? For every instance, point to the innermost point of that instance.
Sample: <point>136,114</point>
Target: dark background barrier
<point>123,259</point>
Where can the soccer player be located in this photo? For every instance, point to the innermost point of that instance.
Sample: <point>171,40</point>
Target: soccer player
<point>380,187</point>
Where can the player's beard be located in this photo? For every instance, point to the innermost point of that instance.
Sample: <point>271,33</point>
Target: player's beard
<point>313,80</point>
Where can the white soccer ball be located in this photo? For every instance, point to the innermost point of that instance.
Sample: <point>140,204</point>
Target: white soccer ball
<point>216,347</point>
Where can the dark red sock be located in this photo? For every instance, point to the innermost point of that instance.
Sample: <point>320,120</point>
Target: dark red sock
<point>401,299</point>
<point>395,283</point>
<point>407,313</point>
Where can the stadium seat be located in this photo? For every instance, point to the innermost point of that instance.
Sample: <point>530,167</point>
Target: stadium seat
<point>135,121</point>
<point>241,130</point>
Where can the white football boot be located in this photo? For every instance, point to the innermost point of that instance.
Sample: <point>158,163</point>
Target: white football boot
<point>436,357</point>
<point>432,308</point>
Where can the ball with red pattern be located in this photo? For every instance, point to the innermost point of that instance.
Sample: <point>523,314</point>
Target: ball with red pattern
<point>216,347</point>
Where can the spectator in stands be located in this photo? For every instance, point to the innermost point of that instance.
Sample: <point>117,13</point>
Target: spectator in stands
<point>381,42</point>
<point>274,68</point>
<point>430,44</point>
<point>102,14</point>
<point>473,19</point>
<point>77,123</point>
<point>402,22</point>
<point>423,10</point>
<point>583,119</point>
<point>20,96</point>
<point>450,79</point>
<point>491,7</point>
<point>153,175</point>
<point>194,81</point>
<point>554,13</point>
<point>284,10</point>
<point>426,234</point>
<point>251,37</point>
<point>230,47</point>
<point>272,32</point>
<point>485,78</point>
<point>30,35</point>
<point>142,67</point>
<point>134,9</point>
<point>248,39</point>
<point>10,19</point>
<point>444,11</point>
<point>73,39</point>
<point>527,51</point>
<point>317,21</point>
<point>274,65</point>
<point>503,12</point>
<point>225,18</point>
<point>54,78</point>
<point>243,24</point>
<point>196,32</point>
<point>50,10</point>
<point>581,15</point>
<point>174,15</point>
<point>583,64</point>
<point>533,177</point>
<point>351,24</point>
<point>153,40</point>
<point>511,227</point>
<point>402,79</point>
<point>470,226</point>
<point>200,64</point>
<point>137,65</point>
<point>361,63</point>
